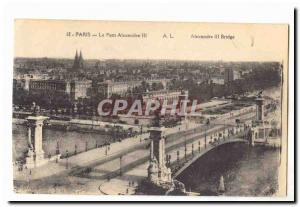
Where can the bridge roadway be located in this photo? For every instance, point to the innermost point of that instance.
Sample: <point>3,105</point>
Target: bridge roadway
<point>140,156</point>
<point>134,152</point>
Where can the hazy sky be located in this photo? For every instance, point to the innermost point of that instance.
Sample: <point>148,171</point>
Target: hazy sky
<point>47,38</point>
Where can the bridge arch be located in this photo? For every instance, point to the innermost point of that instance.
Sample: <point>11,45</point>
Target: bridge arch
<point>203,152</point>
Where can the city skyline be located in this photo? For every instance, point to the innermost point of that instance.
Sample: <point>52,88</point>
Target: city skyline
<point>149,59</point>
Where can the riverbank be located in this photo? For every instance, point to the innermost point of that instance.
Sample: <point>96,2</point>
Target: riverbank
<point>83,125</point>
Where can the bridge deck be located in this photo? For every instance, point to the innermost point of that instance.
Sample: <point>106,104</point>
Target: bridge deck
<point>174,142</point>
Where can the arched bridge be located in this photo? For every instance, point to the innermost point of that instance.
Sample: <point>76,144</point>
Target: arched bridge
<point>181,165</point>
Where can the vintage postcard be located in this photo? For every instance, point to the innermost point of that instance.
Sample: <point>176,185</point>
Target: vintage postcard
<point>150,108</point>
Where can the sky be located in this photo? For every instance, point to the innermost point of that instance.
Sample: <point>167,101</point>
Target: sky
<point>251,42</point>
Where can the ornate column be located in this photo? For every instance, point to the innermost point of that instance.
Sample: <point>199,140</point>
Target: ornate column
<point>35,156</point>
<point>158,172</point>
<point>157,156</point>
<point>259,109</point>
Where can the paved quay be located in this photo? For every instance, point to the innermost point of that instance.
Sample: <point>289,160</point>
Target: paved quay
<point>125,184</point>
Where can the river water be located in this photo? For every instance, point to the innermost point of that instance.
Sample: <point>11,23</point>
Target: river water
<point>247,171</point>
<point>66,141</point>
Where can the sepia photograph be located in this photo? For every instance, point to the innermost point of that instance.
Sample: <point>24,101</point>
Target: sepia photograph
<point>132,108</point>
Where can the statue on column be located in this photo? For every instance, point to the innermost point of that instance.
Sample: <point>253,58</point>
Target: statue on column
<point>158,172</point>
<point>35,156</point>
<point>156,119</point>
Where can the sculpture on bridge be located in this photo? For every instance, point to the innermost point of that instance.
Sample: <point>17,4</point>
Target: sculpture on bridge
<point>153,171</point>
<point>156,119</point>
<point>259,130</point>
<point>35,155</point>
<point>221,187</point>
<point>159,181</point>
<point>259,107</point>
<point>158,173</point>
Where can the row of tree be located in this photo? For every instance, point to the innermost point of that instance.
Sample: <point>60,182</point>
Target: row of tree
<point>255,80</point>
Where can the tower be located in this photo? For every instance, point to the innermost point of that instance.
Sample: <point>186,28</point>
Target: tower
<point>158,173</point>
<point>75,64</point>
<point>259,131</point>
<point>35,156</point>
<point>259,108</point>
<point>78,61</point>
<point>183,99</point>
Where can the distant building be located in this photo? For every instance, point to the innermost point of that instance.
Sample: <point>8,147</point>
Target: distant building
<point>164,82</point>
<point>22,81</point>
<point>108,88</point>
<point>217,80</point>
<point>79,89</point>
<point>75,89</point>
<point>228,75</point>
<point>237,75</point>
<point>78,61</point>
<point>162,95</point>
<point>46,86</point>
<point>19,84</point>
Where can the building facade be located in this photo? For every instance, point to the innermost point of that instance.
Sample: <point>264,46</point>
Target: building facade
<point>162,95</point>
<point>75,89</point>
<point>79,89</point>
<point>108,88</point>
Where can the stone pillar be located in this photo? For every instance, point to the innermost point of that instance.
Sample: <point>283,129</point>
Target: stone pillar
<point>158,144</point>
<point>158,172</point>
<point>35,156</point>
<point>259,109</point>
<point>183,108</point>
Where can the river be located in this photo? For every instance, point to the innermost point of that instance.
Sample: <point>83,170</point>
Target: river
<point>247,171</point>
<point>66,140</point>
